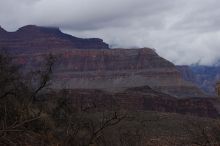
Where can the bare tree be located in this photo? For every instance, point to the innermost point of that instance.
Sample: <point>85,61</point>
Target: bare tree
<point>85,127</point>
<point>19,113</point>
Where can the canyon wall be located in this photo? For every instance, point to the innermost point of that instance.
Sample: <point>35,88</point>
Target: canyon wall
<point>90,64</point>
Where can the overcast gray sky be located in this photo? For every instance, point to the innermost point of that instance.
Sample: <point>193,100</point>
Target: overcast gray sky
<point>182,31</point>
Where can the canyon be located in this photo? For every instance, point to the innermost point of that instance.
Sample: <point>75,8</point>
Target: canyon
<point>139,78</point>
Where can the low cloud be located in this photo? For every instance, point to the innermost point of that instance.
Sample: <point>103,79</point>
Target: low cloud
<point>184,32</point>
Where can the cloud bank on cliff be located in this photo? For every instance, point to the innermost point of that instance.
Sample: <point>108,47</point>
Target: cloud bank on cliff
<point>184,32</point>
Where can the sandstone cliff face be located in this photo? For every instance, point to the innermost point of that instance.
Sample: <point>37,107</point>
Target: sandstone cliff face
<point>33,39</point>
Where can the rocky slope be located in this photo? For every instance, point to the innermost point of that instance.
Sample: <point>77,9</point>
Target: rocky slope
<point>141,99</point>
